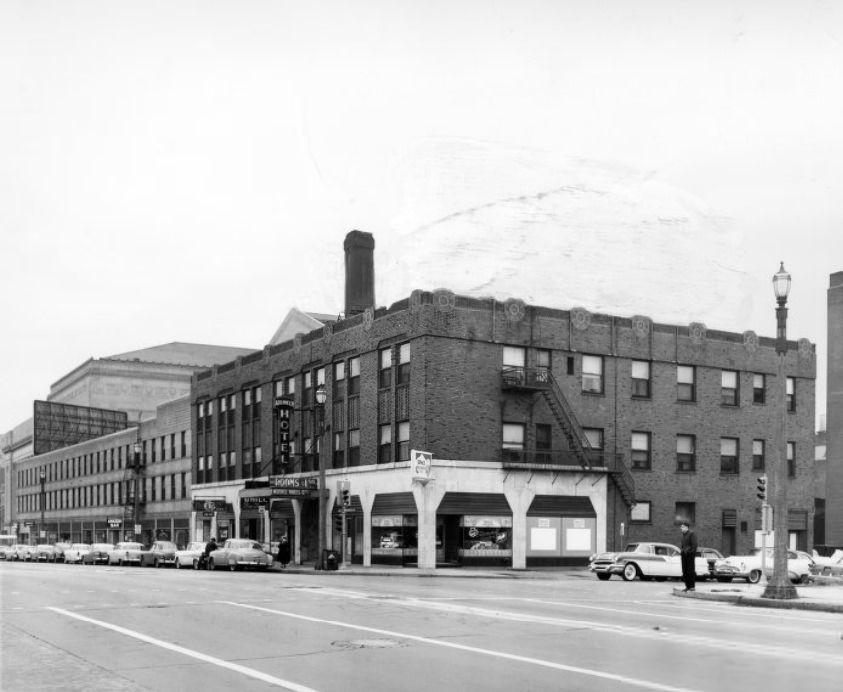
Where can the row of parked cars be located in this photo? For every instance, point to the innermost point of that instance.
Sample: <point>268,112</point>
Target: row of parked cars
<point>661,561</point>
<point>234,554</point>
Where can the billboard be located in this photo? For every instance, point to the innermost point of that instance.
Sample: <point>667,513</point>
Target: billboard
<point>60,425</point>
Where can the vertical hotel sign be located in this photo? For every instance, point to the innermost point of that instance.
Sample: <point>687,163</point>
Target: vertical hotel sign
<point>284,405</point>
<point>420,463</point>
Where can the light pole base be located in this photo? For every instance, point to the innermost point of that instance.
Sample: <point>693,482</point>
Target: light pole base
<point>780,592</point>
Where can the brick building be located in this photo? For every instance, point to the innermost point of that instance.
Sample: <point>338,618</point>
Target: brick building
<point>553,433</point>
<point>834,415</point>
<point>89,487</point>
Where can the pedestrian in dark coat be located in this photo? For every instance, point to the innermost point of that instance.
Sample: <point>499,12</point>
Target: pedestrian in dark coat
<point>689,552</point>
<point>283,551</point>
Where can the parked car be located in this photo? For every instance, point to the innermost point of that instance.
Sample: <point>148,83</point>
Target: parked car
<point>20,551</point>
<point>127,553</point>
<point>73,554</point>
<point>98,555</point>
<point>821,562</point>
<point>58,554</point>
<point>748,567</point>
<point>647,560</point>
<point>834,568</point>
<point>189,557</point>
<point>44,552</point>
<point>161,554</point>
<point>238,553</point>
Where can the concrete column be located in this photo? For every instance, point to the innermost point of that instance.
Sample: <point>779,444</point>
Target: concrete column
<point>296,532</point>
<point>520,499</point>
<point>367,500</point>
<point>428,496</point>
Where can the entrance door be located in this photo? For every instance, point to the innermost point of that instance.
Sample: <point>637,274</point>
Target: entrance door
<point>452,539</point>
<point>727,541</point>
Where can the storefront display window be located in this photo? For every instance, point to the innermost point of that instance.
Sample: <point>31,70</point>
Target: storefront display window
<point>395,534</point>
<point>486,536</point>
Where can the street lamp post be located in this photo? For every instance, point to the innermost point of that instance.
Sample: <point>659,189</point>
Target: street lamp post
<point>318,413</point>
<point>43,477</point>
<point>138,449</point>
<point>779,587</point>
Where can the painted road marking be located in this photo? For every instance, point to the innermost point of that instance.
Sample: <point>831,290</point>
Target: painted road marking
<point>250,672</point>
<point>647,684</point>
<point>639,632</point>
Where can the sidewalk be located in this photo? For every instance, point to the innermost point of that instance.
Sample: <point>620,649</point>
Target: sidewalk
<point>822,594</point>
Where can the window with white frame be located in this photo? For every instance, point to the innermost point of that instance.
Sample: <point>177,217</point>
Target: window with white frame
<point>592,374</point>
<point>791,394</point>
<point>402,373</point>
<point>791,460</point>
<point>513,440</point>
<point>384,444</point>
<point>641,512</point>
<point>353,376</point>
<point>385,368</point>
<point>402,449</point>
<point>354,447</point>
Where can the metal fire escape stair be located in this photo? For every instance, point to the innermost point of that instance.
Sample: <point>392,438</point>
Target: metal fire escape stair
<point>542,380</point>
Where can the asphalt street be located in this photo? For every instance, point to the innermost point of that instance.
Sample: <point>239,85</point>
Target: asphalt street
<point>68,627</point>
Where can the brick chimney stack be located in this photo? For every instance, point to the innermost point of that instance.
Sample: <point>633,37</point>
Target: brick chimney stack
<point>359,272</point>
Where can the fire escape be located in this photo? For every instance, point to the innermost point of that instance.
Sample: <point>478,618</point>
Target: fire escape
<point>540,381</point>
<point>132,484</point>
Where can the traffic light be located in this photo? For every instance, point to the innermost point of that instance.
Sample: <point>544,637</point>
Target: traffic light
<point>762,488</point>
<point>345,493</point>
<point>338,527</point>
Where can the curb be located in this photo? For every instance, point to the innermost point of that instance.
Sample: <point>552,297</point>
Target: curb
<point>757,602</point>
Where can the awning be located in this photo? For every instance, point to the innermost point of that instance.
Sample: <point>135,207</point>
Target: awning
<point>561,506</point>
<point>394,503</point>
<point>474,503</point>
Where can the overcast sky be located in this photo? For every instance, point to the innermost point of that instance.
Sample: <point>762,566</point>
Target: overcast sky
<point>186,170</point>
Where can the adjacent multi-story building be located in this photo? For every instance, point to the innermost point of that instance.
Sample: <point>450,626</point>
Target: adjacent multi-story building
<point>834,415</point>
<point>476,431</point>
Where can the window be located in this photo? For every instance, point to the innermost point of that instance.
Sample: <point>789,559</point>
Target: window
<point>729,388</point>
<point>758,455</point>
<point>686,453</point>
<point>354,448</point>
<point>339,379</point>
<point>402,375</point>
<point>290,385</point>
<point>641,450</point>
<point>592,374</point>
<point>307,390</point>
<point>385,368</point>
<point>686,511</point>
<point>339,452</point>
<point>686,383</point>
<point>544,442</point>
<point>514,364</point>
<point>542,365</point>
<point>728,455</point>
<point>513,441</point>
<point>339,370</point>
<point>790,391</point>
<point>642,512</point>
<point>402,449</point>
<point>384,444</point>
<point>759,388</point>
<point>791,460</point>
<point>641,379</point>
<point>593,437</point>
<point>354,376</point>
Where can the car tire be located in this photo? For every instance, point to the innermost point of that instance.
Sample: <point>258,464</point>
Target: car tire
<point>232,566</point>
<point>754,576</point>
<point>603,577</point>
<point>120,563</point>
<point>196,563</point>
<point>156,564</point>
<point>630,571</point>
<point>177,564</point>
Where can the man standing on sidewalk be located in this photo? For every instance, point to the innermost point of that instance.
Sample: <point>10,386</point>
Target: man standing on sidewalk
<point>689,552</point>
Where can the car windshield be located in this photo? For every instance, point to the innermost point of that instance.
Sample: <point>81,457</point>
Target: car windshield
<point>80,546</point>
<point>130,546</point>
<point>103,546</point>
<point>196,546</point>
<point>167,546</point>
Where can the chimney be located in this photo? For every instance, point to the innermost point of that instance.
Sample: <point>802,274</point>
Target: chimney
<point>359,272</point>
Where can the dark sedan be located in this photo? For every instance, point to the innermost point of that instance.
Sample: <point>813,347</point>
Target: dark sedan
<point>98,555</point>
